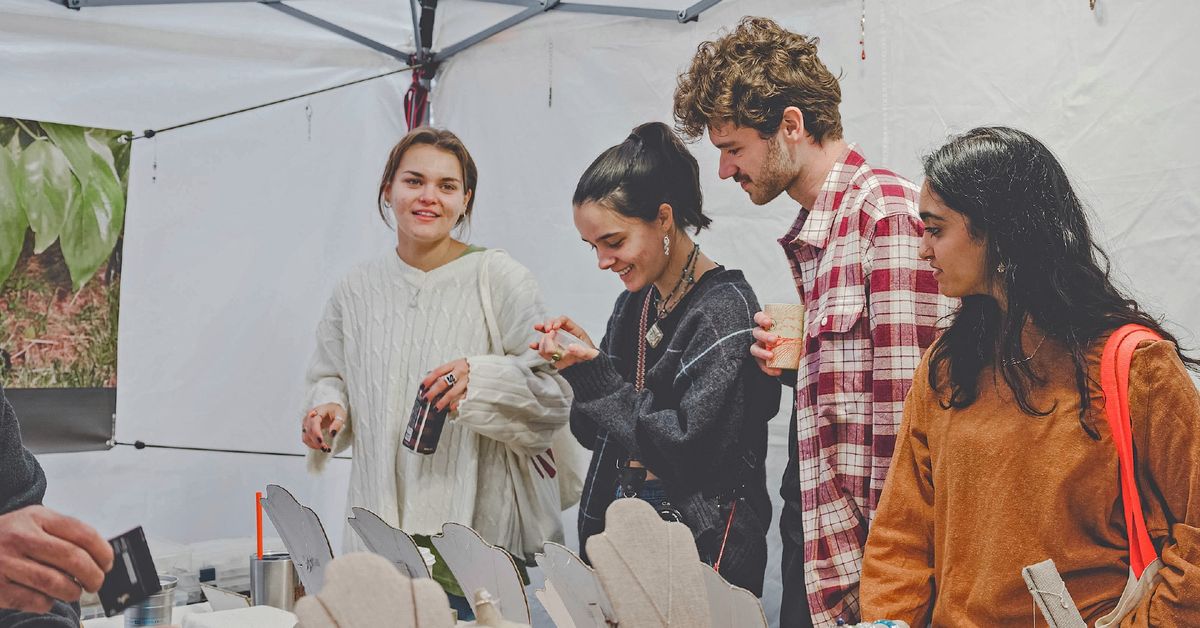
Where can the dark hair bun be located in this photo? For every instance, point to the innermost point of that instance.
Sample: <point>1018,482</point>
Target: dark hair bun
<point>651,167</point>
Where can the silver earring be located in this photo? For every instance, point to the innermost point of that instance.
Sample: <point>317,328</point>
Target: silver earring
<point>1001,268</point>
<point>666,245</point>
<point>387,205</point>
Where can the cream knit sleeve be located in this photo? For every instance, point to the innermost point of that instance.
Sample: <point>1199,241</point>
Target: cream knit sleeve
<point>515,398</point>
<point>325,379</point>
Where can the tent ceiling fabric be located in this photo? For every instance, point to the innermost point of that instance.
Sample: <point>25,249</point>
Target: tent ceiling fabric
<point>191,61</point>
<point>141,67</point>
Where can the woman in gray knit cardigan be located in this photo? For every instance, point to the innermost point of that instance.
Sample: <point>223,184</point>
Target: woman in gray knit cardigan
<point>671,404</point>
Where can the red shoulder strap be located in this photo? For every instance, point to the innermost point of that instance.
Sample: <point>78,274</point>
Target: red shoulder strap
<point>1114,380</point>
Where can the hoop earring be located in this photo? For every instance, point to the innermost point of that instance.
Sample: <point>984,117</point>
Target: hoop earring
<point>666,245</point>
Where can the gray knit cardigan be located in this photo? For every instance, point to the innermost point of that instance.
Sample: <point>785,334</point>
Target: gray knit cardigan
<point>700,425</point>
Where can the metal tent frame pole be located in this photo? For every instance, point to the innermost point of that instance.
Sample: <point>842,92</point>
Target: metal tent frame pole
<point>531,11</point>
<point>689,14</point>
<point>288,9</point>
<point>423,52</point>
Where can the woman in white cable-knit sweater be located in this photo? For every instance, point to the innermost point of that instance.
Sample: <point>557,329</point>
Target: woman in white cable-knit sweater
<point>435,307</point>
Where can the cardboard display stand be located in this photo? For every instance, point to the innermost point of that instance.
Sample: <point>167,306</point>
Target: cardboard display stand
<point>487,614</point>
<point>556,609</point>
<point>476,565</point>
<point>389,542</point>
<point>1051,596</point>
<point>648,567</point>
<point>647,573</point>
<point>575,584</point>
<point>224,599</point>
<point>302,534</point>
<point>363,590</point>
<point>731,606</point>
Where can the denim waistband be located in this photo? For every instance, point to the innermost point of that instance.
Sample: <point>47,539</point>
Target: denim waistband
<point>652,491</point>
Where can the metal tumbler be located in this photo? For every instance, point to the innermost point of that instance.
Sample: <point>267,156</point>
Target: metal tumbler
<point>274,581</point>
<point>156,609</point>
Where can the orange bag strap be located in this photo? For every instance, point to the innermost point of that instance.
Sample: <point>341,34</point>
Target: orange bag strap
<point>1114,381</point>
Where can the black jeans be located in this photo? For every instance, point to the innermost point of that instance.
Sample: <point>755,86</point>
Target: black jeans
<point>793,608</point>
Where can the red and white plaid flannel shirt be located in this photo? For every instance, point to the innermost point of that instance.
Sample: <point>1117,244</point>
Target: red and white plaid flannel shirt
<point>871,308</point>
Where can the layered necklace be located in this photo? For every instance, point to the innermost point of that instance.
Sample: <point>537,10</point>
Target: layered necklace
<point>687,279</point>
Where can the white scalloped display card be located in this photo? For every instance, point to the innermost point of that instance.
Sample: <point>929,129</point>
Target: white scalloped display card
<point>730,606</point>
<point>389,542</point>
<point>477,564</point>
<point>302,534</point>
<point>577,586</point>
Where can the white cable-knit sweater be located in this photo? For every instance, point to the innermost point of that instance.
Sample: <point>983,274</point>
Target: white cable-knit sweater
<point>385,327</point>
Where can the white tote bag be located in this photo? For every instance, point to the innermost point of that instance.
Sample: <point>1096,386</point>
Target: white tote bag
<point>543,485</point>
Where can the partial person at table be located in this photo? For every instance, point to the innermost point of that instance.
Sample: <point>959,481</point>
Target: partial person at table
<point>46,559</point>
<point>671,404</point>
<point>453,320</point>
<point>1005,457</point>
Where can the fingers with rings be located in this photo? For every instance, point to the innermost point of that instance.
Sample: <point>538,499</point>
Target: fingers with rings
<point>455,390</point>
<point>310,431</point>
<point>447,384</point>
<point>329,416</point>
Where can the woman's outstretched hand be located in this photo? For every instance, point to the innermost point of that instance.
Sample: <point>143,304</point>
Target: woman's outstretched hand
<point>562,355</point>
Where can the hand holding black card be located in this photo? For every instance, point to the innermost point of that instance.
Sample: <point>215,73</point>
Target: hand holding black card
<point>133,577</point>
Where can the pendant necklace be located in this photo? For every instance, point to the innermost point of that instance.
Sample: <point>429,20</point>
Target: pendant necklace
<point>1016,361</point>
<point>687,279</point>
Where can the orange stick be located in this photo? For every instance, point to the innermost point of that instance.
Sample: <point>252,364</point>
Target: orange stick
<point>258,519</point>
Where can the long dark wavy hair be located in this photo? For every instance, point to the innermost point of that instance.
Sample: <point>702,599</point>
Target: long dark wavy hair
<point>1017,199</point>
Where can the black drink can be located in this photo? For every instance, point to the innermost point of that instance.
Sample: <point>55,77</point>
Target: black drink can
<point>425,424</point>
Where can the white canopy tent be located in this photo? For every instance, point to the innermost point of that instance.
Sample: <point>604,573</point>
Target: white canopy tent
<point>238,227</point>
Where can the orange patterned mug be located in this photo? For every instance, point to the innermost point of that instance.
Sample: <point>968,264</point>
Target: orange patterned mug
<point>789,326</point>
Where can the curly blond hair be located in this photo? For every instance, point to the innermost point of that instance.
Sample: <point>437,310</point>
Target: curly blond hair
<point>749,76</point>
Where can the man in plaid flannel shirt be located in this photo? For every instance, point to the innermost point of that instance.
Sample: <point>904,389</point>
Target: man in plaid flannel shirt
<point>871,306</point>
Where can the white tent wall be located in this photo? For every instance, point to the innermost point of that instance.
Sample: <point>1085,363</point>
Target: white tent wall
<point>233,245</point>
<point>238,228</point>
<point>1108,91</point>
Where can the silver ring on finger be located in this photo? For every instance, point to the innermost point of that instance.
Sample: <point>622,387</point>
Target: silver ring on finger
<point>450,379</point>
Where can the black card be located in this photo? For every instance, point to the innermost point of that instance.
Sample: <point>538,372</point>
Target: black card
<point>133,577</point>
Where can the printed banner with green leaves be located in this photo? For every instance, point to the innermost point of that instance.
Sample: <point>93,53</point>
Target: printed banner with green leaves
<point>62,216</point>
